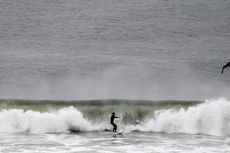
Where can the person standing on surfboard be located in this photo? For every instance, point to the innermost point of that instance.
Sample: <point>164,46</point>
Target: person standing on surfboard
<point>113,116</point>
<point>228,64</point>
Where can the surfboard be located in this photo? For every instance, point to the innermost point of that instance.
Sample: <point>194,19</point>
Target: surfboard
<point>118,133</point>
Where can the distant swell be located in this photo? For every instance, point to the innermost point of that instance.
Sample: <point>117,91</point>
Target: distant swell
<point>211,117</point>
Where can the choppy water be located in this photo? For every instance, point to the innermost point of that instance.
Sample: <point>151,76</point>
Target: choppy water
<point>114,49</point>
<point>84,49</point>
<point>189,127</point>
<point>100,142</point>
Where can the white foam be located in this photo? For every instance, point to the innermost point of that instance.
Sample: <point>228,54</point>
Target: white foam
<point>211,117</point>
<point>16,120</point>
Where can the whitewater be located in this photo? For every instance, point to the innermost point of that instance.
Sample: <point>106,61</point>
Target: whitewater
<point>66,65</point>
<point>201,127</point>
<point>211,117</point>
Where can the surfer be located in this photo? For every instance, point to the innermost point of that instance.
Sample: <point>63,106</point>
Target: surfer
<point>113,116</point>
<point>228,64</point>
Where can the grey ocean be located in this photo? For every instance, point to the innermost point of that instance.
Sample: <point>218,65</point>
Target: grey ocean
<point>65,65</point>
<point>85,49</point>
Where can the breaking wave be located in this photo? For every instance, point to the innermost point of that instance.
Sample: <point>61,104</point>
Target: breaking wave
<point>211,117</point>
<point>17,120</point>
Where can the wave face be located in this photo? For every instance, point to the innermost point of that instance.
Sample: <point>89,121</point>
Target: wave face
<point>211,117</point>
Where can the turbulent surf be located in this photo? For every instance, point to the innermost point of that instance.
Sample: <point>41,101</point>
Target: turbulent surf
<point>210,117</point>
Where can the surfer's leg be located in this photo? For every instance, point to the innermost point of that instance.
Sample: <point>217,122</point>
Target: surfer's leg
<point>115,127</point>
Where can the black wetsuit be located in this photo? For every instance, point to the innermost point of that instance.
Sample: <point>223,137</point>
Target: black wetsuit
<point>227,65</point>
<point>112,122</point>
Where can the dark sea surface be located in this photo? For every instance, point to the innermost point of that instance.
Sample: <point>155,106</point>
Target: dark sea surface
<point>114,49</point>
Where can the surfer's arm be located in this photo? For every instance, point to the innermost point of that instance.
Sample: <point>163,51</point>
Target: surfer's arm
<point>117,117</point>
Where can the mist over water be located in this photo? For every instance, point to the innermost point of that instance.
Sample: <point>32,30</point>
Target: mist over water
<point>149,49</point>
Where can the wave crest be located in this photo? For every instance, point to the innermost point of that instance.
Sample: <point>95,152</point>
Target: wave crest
<point>211,117</point>
<point>17,120</point>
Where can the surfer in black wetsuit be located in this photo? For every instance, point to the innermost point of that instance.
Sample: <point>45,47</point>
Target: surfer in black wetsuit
<point>113,116</point>
<point>227,65</point>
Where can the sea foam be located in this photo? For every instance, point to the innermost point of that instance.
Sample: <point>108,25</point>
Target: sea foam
<point>211,117</point>
<point>17,120</point>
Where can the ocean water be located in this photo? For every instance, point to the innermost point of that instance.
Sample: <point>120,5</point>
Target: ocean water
<point>114,49</point>
<point>66,65</point>
<point>168,127</point>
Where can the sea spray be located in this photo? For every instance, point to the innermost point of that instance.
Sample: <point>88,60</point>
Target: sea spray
<point>16,120</point>
<point>211,117</point>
